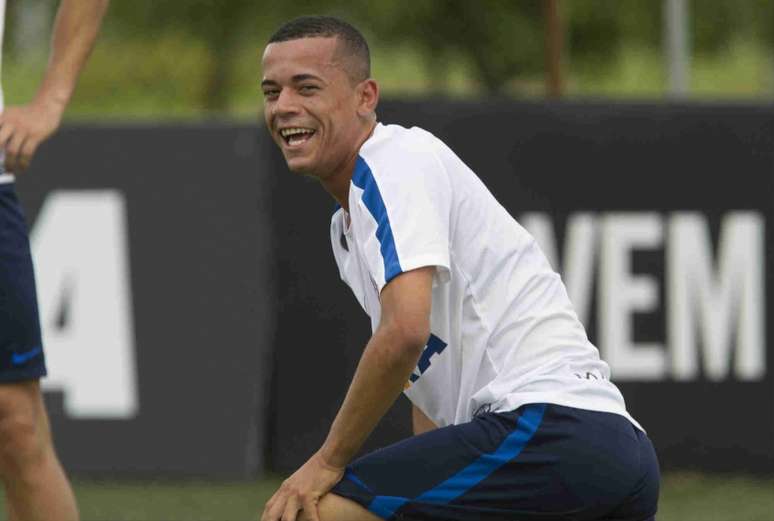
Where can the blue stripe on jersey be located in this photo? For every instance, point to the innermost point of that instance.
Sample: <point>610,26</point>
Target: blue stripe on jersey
<point>363,178</point>
<point>476,472</point>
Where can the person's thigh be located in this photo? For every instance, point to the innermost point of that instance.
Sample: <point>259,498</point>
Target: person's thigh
<point>21,349</point>
<point>538,463</point>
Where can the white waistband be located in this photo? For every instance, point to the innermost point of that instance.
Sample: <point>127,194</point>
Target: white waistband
<point>7,178</point>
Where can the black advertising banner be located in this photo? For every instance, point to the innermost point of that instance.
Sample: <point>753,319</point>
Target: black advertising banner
<point>153,260</point>
<point>194,319</point>
<point>658,218</point>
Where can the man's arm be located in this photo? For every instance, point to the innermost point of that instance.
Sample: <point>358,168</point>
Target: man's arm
<point>387,361</point>
<point>389,358</point>
<point>23,128</point>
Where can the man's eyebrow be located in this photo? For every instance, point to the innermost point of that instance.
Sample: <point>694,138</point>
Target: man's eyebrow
<point>298,78</point>
<point>303,77</point>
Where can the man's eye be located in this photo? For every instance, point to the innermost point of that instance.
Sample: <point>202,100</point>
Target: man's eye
<point>272,93</point>
<point>307,89</point>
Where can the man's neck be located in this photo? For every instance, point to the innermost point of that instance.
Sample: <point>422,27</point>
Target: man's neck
<point>338,184</point>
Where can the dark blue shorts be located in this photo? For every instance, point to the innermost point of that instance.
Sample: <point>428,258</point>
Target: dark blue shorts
<point>21,349</point>
<point>540,462</point>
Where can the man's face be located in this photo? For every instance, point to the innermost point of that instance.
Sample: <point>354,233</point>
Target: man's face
<point>310,104</point>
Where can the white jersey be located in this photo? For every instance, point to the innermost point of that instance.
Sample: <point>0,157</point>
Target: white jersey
<point>504,333</point>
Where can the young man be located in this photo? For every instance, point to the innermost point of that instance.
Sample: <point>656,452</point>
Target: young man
<point>36,488</point>
<point>469,321</point>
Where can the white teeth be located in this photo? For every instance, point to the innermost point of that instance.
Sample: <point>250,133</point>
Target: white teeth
<point>286,132</point>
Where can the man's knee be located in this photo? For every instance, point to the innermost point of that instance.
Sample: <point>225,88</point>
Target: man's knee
<point>23,429</point>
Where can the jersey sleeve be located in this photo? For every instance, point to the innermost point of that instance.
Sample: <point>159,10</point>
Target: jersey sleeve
<point>404,205</point>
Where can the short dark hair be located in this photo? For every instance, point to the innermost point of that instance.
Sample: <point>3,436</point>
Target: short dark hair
<point>351,41</point>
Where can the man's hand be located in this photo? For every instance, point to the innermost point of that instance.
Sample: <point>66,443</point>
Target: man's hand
<point>23,128</point>
<point>302,491</point>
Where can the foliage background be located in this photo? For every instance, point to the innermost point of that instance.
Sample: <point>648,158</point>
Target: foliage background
<point>201,58</point>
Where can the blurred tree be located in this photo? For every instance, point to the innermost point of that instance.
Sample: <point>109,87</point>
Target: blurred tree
<point>220,24</point>
<point>760,20</point>
<point>713,23</point>
<point>597,29</point>
<point>499,39</point>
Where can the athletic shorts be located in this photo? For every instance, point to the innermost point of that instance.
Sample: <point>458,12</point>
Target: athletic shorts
<point>541,462</point>
<point>21,349</point>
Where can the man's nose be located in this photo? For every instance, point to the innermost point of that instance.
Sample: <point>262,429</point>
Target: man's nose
<point>286,103</point>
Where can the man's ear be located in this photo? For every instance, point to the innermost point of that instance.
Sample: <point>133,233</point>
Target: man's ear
<point>368,91</point>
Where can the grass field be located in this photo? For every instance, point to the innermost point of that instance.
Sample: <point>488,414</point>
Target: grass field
<point>684,497</point>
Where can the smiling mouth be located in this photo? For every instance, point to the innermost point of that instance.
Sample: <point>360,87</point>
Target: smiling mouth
<point>296,135</point>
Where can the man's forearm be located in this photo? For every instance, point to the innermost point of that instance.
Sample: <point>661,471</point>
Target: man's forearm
<point>75,30</point>
<point>379,379</point>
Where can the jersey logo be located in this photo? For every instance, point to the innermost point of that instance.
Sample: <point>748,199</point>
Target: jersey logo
<point>434,346</point>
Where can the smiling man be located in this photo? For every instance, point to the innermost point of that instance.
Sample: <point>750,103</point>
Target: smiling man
<point>514,413</point>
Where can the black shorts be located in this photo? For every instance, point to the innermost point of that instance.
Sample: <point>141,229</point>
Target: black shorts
<point>21,348</point>
<point>540,462</point>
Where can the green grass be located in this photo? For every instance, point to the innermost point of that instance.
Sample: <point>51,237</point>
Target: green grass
<point>156,501</point>
<point>699,497</point>
<point>170,500</point>
<point>684,497</point>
